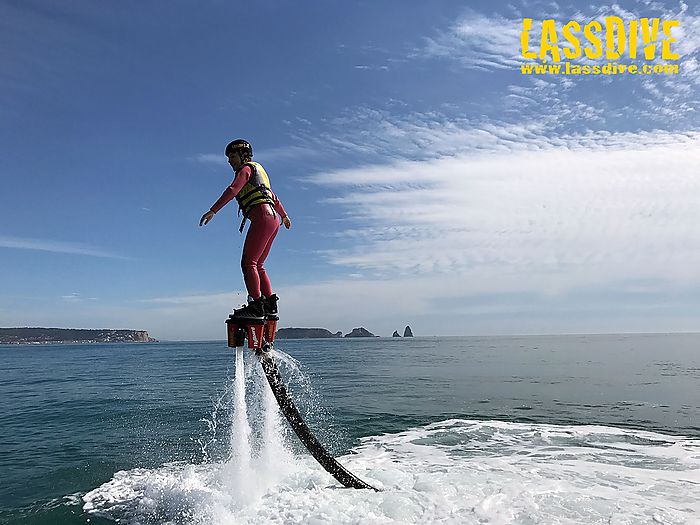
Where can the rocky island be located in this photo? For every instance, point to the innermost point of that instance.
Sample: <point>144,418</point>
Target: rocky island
<point>306,333</point>
<point>71,335</point>
<point>360,332</point>
<point>319,333</point>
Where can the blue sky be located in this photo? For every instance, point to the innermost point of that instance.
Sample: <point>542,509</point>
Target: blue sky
<point>429,182</point>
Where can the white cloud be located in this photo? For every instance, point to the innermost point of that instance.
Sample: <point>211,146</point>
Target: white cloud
<point>269,154</point>
<point>478,41</point>
<point>365,67</point>
<point>598,211</point>
<point>76,297</point>
<point>192,299</point>
<point>287,153</point>
<point>47,245</point>
<point>379,135</point>
<point>492,43</point>
<point>210,158</point>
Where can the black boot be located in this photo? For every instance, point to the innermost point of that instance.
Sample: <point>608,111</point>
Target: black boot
<point>253,310</point>
<point>271,305</point>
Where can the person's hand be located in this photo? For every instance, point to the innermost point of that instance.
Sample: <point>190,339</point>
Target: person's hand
<point>206,217</point>
<point>287,223</point>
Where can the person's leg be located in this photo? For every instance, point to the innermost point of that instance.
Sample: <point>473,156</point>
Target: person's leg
<point>252,249</point>
<point>261,233</point>
<point>265,286</point>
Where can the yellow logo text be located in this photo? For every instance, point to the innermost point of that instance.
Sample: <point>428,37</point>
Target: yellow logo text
<point>613,40</point>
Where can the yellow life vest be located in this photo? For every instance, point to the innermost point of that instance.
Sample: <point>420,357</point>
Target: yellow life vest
<point>256,191</point>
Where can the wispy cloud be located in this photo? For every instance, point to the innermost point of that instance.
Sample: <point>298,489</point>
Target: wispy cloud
<point>491,43</point>
<point>291,152</point>
<point>76,297</point>
<point>598,210</point>
<point>193,299</point>
<point>210,158</point>
<point>53,246</point>
<point>380,136</point>
<point>477,41</point>
<point>371,68</point>
<point>267,154</point>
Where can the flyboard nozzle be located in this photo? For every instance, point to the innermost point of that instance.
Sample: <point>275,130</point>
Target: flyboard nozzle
<point>235,332</point>
<point>270,328</point>
<point>238,329</point>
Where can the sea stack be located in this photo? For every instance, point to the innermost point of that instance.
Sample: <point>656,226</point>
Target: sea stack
<point>395,334</point>
<point>407,332</point>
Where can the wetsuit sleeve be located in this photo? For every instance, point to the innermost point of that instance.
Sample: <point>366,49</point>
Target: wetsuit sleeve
<point>278,206</point>
<point>242,176</point>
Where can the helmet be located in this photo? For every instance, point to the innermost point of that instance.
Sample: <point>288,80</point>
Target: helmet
<point>240,146</point>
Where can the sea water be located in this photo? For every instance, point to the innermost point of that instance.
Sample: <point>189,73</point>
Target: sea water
<point>556,429</point>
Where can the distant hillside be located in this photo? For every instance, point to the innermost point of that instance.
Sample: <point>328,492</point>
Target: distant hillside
<point>305,333</point>
<point>72,335</point>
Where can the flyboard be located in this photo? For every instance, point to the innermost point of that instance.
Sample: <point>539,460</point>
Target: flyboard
<point>261,336</point>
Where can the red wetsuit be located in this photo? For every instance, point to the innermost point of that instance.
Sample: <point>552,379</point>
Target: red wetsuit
<point>263,228</point>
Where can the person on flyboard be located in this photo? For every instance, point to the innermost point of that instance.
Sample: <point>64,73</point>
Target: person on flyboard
<point>258,204</point>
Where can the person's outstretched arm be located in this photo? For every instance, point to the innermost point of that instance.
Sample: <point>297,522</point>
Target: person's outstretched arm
<point>229,193</point>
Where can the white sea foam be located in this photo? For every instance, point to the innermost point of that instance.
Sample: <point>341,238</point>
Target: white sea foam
<point>455,471</point>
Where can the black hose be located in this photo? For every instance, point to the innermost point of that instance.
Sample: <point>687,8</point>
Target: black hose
<point>328,462</point>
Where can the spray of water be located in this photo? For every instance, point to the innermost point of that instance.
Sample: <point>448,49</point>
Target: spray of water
<point>309,402</point>
<point>237,470</point>
<point>291,369</point>
<point>240,433</point>
<point>260,454</point>
<point>275,457</point>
